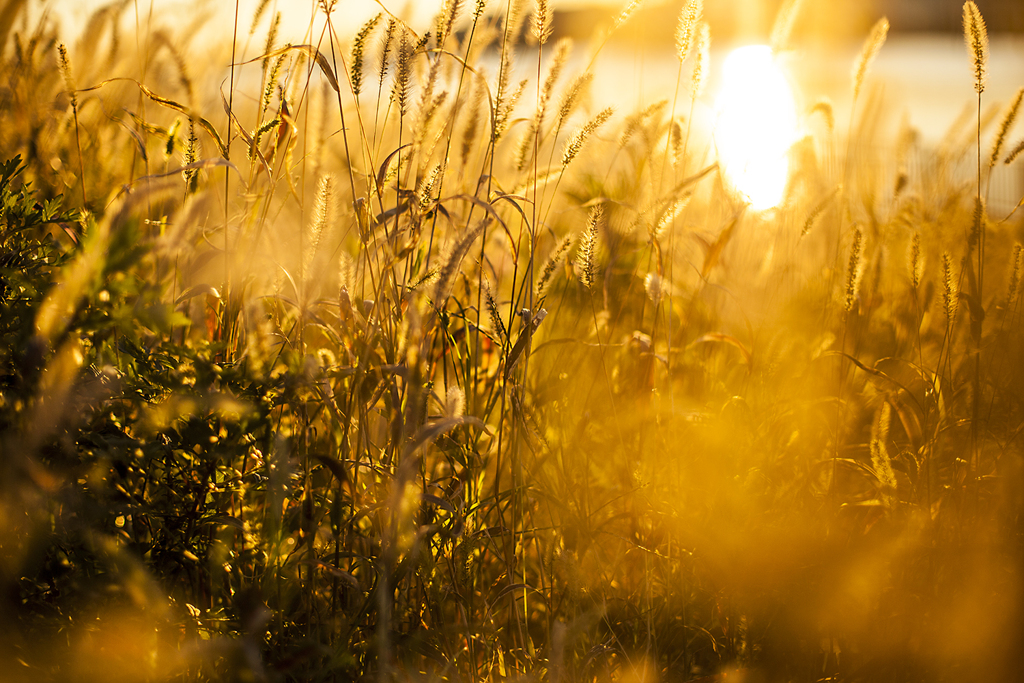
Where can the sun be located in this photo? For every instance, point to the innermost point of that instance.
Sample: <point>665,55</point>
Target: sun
<point>756,124</point>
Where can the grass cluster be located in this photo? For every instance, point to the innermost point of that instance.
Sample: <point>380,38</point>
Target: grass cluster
<point>391,357</point>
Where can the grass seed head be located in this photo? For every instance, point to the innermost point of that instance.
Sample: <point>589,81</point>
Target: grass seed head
<point>65,69</point>
<point>977,221</point>
<point>686,30</point>
<point>916,267</point>
<point>572,96</point>
<point>472,128</point>
<point>323,214</point>
<point>260,9</point>
<point>950,291</point>
<point>785,20</point>
<point>450,11</point>
<point>403,73</point>
<point>271,38</point>
<point>494,314</point>
<point>626,13</point>
<point>702,63</point>
<point>386,43</point>
<point>1014,153</point>
<point>1013,285</point>
<point>189,156</point>
<point>976,37</point>
<point>853,271</point>
<point>552,264</point>
<point>358,51</point>
<point>868,52</point>
<point>1005,125</point>
<point>585,254</point>
<point>575,143</point>
<point>541,25</point>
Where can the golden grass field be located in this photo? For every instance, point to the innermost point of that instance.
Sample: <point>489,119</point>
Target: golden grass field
<point>392,356</point>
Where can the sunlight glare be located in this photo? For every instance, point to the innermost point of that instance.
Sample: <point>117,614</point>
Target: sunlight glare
<point>756,124</point>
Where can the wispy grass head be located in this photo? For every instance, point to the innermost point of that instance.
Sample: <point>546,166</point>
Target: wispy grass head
<point>358,51</point>
<point>572,96</point>
<point>976,37</point>
<point>702,63</point>
<point>868,52</point>
<point>1005,125</point>
<point>950,291</point>
<point>585,254</point>
<point>854,269</point>
<point>541,25</point>
<point>686,30</point>
<point>782,30</point>
<point>627,12</point>
<point>579,138</point>
<point>65,69</point>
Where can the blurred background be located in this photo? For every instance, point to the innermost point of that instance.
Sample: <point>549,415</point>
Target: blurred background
<point>920,83</point>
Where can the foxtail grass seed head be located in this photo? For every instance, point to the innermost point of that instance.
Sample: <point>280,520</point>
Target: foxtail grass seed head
<point>358,51</point>
<point>572,96</point>
<point>868,52</point>
<point>65,69</point>
<point>1013,286</point>
<point>950,293</point>
<point>260,9</point>
<point>446,274</point>
<point>541,25</point>
<point>271,84</point>
<point>271,38</point>
<point>916,267</point>
<point>702,63</point>
<point>386,43</point>
<point>403,73</point>
<point>472,129</point>
<point>323,213</point>
<point>880,460</point>
<point>669,215</point>
<point>853,271</point>
<point>524,147</point>
<point>494,314</point>
<point>1005,125</point>
<point>976,37</point>
<point>817,211</point>
<point>1014,153</point>
<point>575,143</point>
<point>260,132</point>
<point>585,253</point>
<point>450,11</point>
<point>676,139</point>
<point>785,20</point>
<point>552,265</point>
<point>454,401</point>
<point>626,13</point>
<point>563,48</point>
<point>428,186</point>
<point>977,221</point>
<point>686,30</point>
<point>634,122</point>
<point>503,114</point>
<point>189,156</point>
<point>420,44</point>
